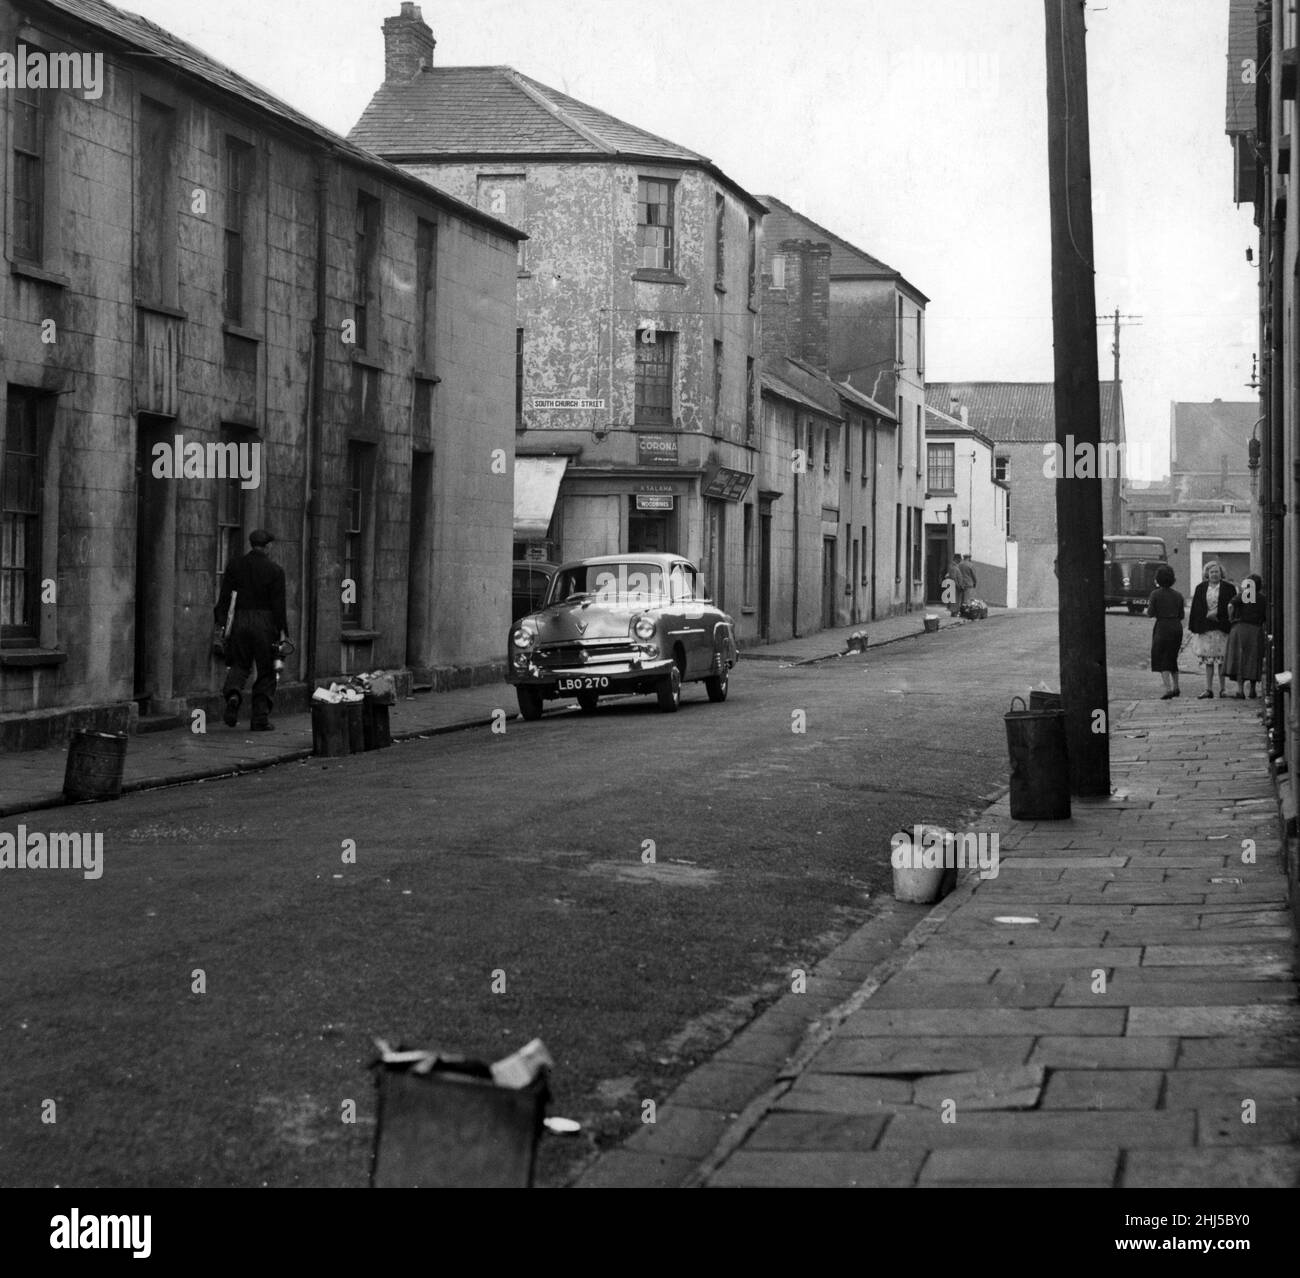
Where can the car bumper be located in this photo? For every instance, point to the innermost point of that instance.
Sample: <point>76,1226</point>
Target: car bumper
<point>604,678</point>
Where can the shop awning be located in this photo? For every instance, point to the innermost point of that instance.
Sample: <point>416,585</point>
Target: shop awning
<point>537,482</point>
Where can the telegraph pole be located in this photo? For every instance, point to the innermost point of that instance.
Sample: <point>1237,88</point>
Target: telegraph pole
<point>1082,616</point>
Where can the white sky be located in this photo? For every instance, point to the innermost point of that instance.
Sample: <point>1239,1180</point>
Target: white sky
<point>916,129</point>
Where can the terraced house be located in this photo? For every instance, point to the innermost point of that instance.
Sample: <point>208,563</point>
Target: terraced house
<point>219,316</point>
<point>638,311</point>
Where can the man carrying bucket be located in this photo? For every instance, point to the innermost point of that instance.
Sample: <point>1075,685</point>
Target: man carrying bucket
<point>256,585</point>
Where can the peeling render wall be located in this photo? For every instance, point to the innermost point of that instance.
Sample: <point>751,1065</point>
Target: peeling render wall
<point>581,308</point>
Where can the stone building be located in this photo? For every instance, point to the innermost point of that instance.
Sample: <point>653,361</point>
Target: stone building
<point>966,511</point>
<point>832,440</point>
<point>1020,419</point>
<point>875,335</point>
<point>637,323</point>
<point>219,315</point>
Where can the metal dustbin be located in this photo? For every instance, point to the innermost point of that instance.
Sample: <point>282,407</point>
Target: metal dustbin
<point>329,730</point>
<point>374,721</point>
<point>447,1124</point>
<point>96,763</point>
<point>1040,763</point>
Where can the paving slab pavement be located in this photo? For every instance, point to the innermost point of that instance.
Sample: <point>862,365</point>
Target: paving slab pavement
<point>1136,1026</point>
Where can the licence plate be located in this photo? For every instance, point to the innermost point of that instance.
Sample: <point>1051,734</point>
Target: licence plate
<point>584,683</point>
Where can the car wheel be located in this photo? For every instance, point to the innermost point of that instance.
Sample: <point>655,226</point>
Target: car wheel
<point>530,702</point>
<point>716,685</point>
<point>1135,609</point>
<point>587,702</point>
<point>670,690</point>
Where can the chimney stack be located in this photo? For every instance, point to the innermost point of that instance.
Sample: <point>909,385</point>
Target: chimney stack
<point>408,44</point>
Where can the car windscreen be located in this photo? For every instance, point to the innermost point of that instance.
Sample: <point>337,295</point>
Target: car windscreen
<point>624,583</point>
<point>1135,549</point>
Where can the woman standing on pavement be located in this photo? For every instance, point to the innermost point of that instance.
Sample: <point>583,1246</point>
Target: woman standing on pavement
<point>1166,605</point>
<point>1209,624</point>
<point>1245,651</point>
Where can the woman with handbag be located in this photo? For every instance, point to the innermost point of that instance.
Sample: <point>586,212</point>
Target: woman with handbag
<point>1209,624</point>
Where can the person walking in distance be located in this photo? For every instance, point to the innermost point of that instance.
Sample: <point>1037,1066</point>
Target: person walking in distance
<point>1166,606</point>
<point>952,586</point>
<point>966,579</point>
<point>257,585</point>
<point>1208,623</point>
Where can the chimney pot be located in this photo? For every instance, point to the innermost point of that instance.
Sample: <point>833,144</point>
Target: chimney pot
<point>408,44</point>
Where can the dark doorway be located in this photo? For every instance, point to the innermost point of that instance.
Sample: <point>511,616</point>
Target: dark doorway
<point>828,583</point>
<point>419,571</point>
<point>153,569</point>
<point>649,532</point>
<point>938,555</point>
<point>765,571</point>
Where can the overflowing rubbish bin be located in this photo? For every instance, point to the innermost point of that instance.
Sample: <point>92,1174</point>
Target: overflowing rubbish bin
<point>1040,763</point>
<point>352,717</point>
<point>446,1122</point>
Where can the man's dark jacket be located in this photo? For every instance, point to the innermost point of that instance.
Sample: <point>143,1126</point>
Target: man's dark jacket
<point>259,581</point>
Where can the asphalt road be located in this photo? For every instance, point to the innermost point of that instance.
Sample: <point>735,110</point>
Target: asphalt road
<point>202,1014</point>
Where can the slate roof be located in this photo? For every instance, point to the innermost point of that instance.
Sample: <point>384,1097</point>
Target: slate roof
<point>499,112</point>
<point>801,384</point>
<point>847,260</point>
<point>1242,44</point>
<point>137,35</point>
<point>1016,412</point>
<point>944,425</point>
<point>860,399</point>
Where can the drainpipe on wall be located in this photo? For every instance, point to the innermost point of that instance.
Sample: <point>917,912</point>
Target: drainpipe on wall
<point>315,419</point>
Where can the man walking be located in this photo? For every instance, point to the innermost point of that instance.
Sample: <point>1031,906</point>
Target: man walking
<point>257,585</point>
<point>966,580</point>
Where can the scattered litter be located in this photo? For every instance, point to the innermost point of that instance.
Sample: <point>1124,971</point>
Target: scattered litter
<point>677,860</point>
<point>1014,918</point>
<point>562,1126</point>
<point>1225,880</point>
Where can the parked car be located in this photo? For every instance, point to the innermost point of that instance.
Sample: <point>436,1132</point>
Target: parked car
<point>529,579</point>
<point>1129,570</point>
<point>621,624</point>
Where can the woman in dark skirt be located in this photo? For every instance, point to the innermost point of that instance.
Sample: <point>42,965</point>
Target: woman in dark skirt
<point>1245,654</point>
<point>1167,606</point>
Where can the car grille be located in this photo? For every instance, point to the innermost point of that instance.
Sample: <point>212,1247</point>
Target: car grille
<point>558,656</point>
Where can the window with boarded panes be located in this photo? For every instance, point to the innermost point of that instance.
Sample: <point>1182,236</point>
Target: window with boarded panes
<point>654,224</point>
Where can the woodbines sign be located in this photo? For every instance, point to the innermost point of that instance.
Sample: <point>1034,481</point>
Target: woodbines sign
<point>656,450</point>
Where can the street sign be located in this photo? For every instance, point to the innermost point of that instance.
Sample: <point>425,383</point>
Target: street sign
<point>566,403</point>
<point>654,501</point>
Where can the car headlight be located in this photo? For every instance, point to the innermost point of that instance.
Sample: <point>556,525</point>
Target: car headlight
<point>643,628</point>
<point>522,638</point>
